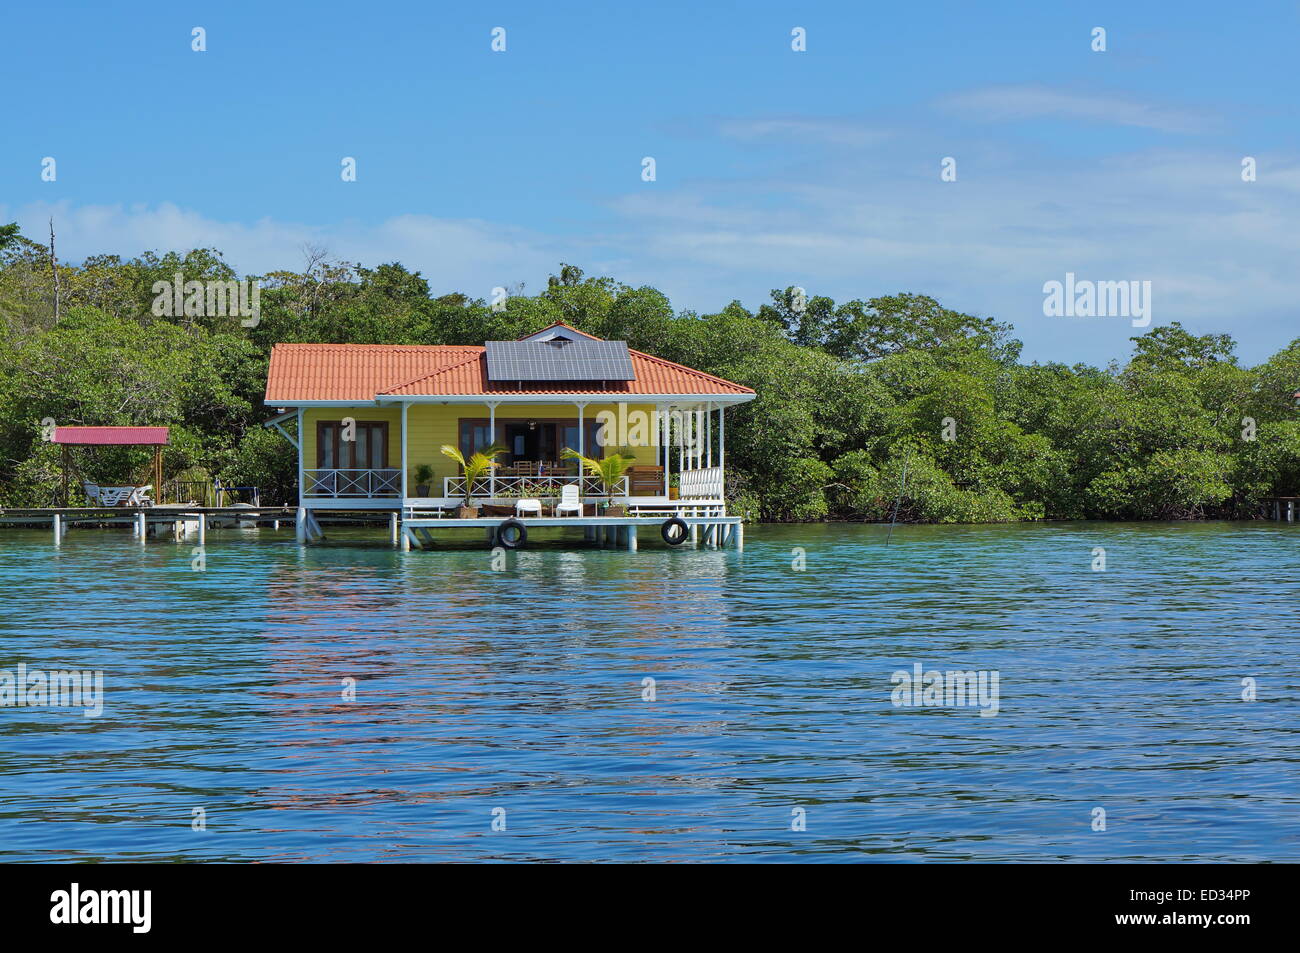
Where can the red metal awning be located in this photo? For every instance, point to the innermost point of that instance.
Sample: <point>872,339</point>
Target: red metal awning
<point>111,436</point>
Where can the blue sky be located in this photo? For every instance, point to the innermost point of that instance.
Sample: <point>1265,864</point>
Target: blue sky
<point>774,167</point>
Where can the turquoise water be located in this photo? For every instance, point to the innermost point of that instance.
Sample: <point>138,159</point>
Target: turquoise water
<point>518,695</point>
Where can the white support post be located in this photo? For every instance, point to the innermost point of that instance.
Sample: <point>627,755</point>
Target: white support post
<point>697,443</point>
<point>722,437</point>
<point>142,526</point>
<point>686,438</point>
<point>631,539</point>
<point>406,540</point>
<point>57,522</point>
<point>203,529</point>
<point>392,528</point>
<point>492,438</point>
<point>683,423</point>
<point>708,434</point>
<point>666,427</point>
<point>582,437</point>
<point>738,534</point>
<point>300,526</point>
<point>406,407</point>
<point>302,449</point>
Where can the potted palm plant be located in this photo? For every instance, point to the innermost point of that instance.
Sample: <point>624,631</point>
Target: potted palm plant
<point>475,468</point>
<point>608,470</point>
<point>423,477</point>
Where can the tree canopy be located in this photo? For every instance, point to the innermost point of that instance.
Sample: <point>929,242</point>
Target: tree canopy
<point>849,394</point>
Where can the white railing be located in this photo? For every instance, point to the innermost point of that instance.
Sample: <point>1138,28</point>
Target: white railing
<point>702,484</point>
<point>352,484</point>
<point>515,487</point>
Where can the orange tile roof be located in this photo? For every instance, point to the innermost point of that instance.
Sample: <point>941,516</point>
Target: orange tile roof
<point>350,371</point>
<point>361,372</point>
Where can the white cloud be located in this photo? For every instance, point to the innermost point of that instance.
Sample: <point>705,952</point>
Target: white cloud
<point>454,255</point>
<point>787,131</point>
<point>1018,102</point>
<point>1220,252</point>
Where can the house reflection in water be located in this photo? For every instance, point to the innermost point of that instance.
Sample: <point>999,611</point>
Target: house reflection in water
<point>471,682</point>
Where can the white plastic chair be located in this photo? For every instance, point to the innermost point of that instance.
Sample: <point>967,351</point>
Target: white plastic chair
<point>528,506</point>
<point>570,501</point>
<point>92,492</point>
<point>114,495</point>
<point>140,496</point>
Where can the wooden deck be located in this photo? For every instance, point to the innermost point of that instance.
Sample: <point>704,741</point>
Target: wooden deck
<point>167,511</point>
<point>1282,508</point>
<point>612,531</point>
<point>414,528</point>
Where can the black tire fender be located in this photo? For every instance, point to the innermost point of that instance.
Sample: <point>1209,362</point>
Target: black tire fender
<point>503,535</point>
<point>675,531</point>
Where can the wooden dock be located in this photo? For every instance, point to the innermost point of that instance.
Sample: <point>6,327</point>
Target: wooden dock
<point>612,531</point>
<point>179,520</point>
<point>406,531</point>
<point>1282,508</point>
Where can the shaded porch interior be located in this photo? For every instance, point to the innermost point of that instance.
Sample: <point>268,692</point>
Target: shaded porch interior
<point>679,451</point>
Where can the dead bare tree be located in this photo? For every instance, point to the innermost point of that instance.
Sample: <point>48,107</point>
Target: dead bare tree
<point>54,270</point>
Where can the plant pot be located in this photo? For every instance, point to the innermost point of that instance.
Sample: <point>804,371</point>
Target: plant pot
<point>466,512</point>
<point>616,509</point>
<point>672,493</point>
<point>422,490</point>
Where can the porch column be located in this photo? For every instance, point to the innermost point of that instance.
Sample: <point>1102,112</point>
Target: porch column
<point>688,440</point>
<point>492,438</point>
<point>722,436</point>
<point>697,435</point>
<point>666,441</point>
<point>302,448</point>
<point>708,434</point>
<point>683,425</point>
<point>405,407</point>
<point>582,450</point>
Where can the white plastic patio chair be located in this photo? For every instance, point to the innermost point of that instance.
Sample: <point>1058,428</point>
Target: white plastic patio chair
<point>140,496</point>
<point>570,501</point>
<point>114,495</point>
<point>92,492</point>
<point>528,506</point>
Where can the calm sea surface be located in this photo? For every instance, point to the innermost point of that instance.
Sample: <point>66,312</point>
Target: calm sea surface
<point>518,695</point>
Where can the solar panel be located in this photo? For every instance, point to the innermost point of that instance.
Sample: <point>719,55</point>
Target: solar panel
<point>559,360</point>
